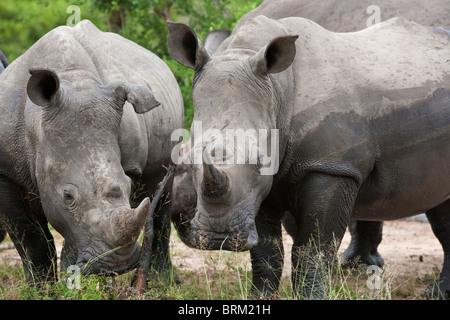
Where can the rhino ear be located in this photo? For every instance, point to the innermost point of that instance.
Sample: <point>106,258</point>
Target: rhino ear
<point>275,57</point>
<point>185,47</point>
<point>140,97</point>
<point>42,86</point>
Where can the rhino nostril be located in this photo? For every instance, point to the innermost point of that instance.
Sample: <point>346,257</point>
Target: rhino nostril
<point>114,190</point>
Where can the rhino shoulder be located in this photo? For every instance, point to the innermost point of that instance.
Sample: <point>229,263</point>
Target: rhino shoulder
<point>86,26</point>
<point>258,32</point>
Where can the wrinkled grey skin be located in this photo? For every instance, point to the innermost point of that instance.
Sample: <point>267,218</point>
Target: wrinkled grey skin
<point>340,16</point>
<point>86,119</point>
<point>363,128</point>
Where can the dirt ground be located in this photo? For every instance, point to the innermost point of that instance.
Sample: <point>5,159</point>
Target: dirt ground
<point>409,248</point>
<point>411,253</point>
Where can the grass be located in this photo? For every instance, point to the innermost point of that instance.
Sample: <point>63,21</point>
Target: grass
<point>218,275</point>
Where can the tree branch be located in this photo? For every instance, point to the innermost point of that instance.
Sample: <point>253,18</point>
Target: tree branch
<point>142,270</point>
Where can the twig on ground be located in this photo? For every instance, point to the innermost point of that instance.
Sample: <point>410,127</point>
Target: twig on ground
<point>146,249</point>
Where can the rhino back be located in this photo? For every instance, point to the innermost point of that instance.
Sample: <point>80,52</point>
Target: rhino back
<point>371,72</point>
<point>352,15</point>
<point>349,15</point>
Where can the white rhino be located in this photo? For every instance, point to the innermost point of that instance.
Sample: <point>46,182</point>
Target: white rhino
<point>363,126</point>
<point>85,115</point>
<point>334,15</point>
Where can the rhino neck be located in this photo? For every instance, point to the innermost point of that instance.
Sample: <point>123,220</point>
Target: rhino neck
<point>30,132</point>
<point>16,159</point>
<point>283,103</point>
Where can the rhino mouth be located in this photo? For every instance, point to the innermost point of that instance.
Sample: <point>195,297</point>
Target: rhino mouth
<point>223,241</point>
<point>111,262</point>
<point>220,235</point>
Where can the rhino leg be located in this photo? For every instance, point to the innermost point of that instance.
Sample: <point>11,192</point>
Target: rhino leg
<point>322,205</point>
<point>365,238</point>
<point>30,236</point>
<point>267,256</point>
<point>439,218</point>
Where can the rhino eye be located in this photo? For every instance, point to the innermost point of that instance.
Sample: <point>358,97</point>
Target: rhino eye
<point>70,193</point>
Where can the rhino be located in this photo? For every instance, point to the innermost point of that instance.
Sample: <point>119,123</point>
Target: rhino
<point>339,16</point>
<point>350,15</point>
<point>3,62</point>
<point>214,38</point>
<point>85,130</point>
<point>362,129</point>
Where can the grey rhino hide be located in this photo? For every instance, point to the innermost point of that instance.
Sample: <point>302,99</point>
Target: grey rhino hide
<point>355,112</point>
<point>349,15</point>
<point>340,16</point>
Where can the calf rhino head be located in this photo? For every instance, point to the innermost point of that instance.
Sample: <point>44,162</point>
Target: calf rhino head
<point>83,189</point>
<point>234,105</point>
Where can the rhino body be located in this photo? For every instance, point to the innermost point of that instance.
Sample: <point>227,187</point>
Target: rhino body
<point>339,16</point>
<point>86,121</point>
<point>350,15</point>
<point>363,123</point>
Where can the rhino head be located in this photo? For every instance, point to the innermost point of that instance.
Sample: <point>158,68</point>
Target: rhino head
<point>83,188</point>
<point>234,99</point>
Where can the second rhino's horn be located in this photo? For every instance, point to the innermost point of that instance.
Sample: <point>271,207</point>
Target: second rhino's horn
<point>215,183</point>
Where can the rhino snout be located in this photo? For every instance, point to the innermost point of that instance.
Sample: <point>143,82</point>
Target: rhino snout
<point>110,262</point>
<point>117,251</point>
<point>114,191</point>
<point>223,237</point>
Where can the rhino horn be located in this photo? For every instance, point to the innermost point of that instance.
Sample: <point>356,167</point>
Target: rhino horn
<point>215,183</point>
<point>128,223</point>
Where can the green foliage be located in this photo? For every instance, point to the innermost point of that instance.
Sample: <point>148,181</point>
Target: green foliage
<point>144,21</point>
<point>23,22</point>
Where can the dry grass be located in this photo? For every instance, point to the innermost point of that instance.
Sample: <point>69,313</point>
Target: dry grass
<point>220,275</point>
